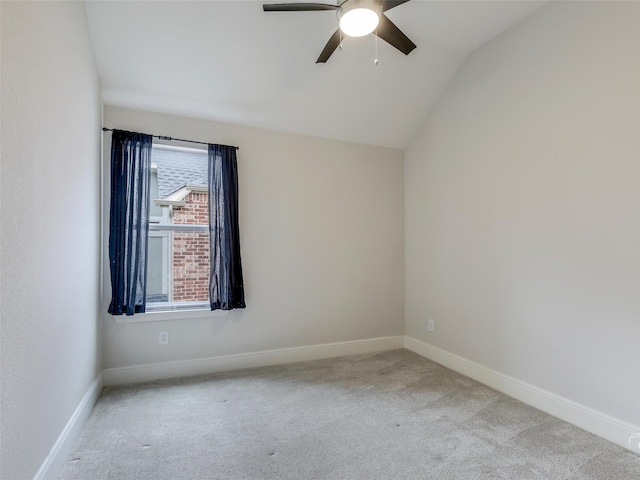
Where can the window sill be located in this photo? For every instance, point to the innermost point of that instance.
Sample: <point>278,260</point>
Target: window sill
<point>166,316</point>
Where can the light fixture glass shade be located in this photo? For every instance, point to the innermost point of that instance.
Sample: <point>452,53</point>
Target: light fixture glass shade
<point>359,21</point>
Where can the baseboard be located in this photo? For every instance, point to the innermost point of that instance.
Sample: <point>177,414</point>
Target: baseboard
<point>598,423</point>
<point>62,448</point>
<point>185,368</point>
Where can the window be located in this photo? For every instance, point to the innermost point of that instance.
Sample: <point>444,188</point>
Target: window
<point>185,182</point>
<point>178,253</point>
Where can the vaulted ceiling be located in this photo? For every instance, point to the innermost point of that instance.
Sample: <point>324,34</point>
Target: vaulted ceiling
<point>230,61</point>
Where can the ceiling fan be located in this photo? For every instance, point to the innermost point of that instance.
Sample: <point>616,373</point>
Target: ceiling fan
<point>356,19</point>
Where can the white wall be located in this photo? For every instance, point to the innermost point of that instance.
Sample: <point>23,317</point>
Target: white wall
<point>321,227</point>
<point>522,193</point>
<point>50,206</point>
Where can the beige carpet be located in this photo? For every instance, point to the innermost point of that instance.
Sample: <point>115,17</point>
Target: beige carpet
<point>392,415</point>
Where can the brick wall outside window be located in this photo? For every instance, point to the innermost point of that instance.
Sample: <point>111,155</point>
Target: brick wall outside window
<point>190,258</point>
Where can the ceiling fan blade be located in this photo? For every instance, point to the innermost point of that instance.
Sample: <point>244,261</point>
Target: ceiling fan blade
<point>330,47</point>
<point>389,4</point>
<point>391,34</point>
<point>297,7</point>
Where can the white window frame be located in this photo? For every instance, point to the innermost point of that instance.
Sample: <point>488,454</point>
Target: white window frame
<point>161,226</point>
<point>203,312</point>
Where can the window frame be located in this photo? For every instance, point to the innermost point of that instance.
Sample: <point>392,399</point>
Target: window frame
<point>148,316</point>
<point>158,228</point>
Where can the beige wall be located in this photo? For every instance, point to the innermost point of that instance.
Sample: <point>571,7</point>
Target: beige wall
<point>522,194</point>
<point>321,227</point>
<point>50,207</point>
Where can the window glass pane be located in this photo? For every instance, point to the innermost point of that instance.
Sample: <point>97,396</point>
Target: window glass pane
<point>190,267</point>
<point>156,284</point>
<point>178,261</point>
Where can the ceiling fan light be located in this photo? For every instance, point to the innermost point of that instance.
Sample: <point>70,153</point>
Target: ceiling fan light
<point>359,22</point>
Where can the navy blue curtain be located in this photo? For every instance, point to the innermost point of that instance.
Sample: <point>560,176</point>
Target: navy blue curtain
<point>129,220</point>
<point>226,286</point>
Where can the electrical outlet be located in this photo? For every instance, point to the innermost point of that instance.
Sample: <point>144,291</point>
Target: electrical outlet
<point>430,325</point>
<point>163,338</point>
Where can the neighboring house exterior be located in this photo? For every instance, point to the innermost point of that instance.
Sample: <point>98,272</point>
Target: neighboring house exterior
<point>178,260</point>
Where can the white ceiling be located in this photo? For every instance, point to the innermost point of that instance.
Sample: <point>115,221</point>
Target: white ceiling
<point>230,61</point>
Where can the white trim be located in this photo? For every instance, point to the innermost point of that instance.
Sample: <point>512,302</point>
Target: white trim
<point>62,448</point>
<point>156,371</point>
<point>170,203</point>
<point>168,315</point>
<point>164,146</point>
<point>197,188</point>
<point>177,306</point>
<point>178,227</point>
<point>598,423</point>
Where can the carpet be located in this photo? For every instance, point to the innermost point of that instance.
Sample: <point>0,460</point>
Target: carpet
<point>389,415</point>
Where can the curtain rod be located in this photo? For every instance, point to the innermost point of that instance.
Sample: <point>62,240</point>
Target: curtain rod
<point>162,137</point>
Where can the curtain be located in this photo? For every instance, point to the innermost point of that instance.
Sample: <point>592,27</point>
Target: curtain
<point>129,220</point>
<point>226,286</point>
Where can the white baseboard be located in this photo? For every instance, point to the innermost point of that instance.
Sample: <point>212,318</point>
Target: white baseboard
<point>62,448</point>
<point>598,423</point>
<point>185,368</point>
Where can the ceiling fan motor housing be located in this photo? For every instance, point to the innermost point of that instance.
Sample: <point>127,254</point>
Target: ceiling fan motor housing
<point>358,18</point>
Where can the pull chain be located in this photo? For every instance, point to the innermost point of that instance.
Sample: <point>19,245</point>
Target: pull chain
<point>339,30</point>
<point>375,61</point>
